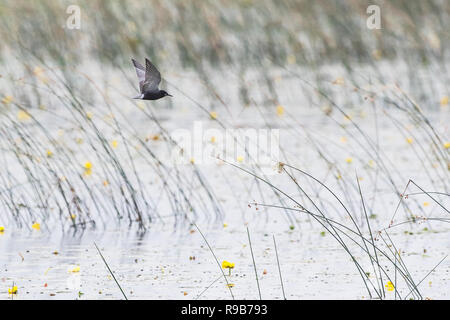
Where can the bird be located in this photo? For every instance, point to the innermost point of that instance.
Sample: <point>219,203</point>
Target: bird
<point>149,79</point>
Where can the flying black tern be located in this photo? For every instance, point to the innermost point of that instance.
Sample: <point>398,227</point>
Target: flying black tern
<point>149,79</point>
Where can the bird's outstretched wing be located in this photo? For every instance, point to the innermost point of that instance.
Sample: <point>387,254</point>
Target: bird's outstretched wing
<point>140,72</point>
<point>152,78</point>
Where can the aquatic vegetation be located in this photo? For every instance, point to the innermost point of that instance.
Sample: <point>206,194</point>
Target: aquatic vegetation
<point>280,110</point>
<point>227,265</point>
<point>87,168</point>
<point>13,290</point>
<point>23,115</point>
<point>356,124</point>
<point>7,99</point>
<point>213,115</point>
<point>75,269</point>
<point>389,286</point>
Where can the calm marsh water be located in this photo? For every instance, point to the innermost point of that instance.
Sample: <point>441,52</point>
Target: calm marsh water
<point>173,262</point>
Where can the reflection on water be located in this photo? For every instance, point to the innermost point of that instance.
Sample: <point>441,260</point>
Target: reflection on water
<point>162,264</point>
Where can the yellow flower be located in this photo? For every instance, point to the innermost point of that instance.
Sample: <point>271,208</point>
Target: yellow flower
<point>343,139</point>
<point>114,143</point>
<point>141,105</point>
<point>213,139</point>
<point>213,115</point>
<point>49,154</point>
<point>12,290</point>
<point>192,160</point>
<point>2,229</point>
<point>89,115</point>
<point>39,73</point>
<point>339,81</point>
<point>349,160</point>
<point>409,140</point>
<point>327,109</point>
<point>444,101</point>
<point>389,286</point>
<point>23,115</point>
<point>36,226</point>
<point>7,99</point>
<point>109,117</point>
<point>280,110</point>
<point>73,216</point>
<point>88,166</point>
<point>426,204</point>
<point>230,285</point>
<point>224,225</point>
<point>376,54</point>
<point>75,269</point>
<point>240,158</point>
<point>291,59</point>
<point>447,145</point>
<point>227,265</point>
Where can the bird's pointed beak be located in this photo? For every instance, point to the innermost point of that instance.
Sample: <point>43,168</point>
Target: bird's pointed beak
<point>170,95</point>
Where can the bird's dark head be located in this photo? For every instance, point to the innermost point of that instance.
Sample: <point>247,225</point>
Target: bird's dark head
<point>164,93</point>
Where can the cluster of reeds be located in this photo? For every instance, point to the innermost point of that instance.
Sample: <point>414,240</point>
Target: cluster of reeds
<point>72,152</point>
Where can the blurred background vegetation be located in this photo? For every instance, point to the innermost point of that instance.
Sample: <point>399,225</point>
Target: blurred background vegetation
<point>241,33</point>
<point>302,55</point>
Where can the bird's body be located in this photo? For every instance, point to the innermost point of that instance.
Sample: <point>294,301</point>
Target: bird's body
<point>151,95</point>
<point>149,79</point>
